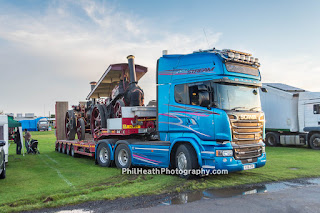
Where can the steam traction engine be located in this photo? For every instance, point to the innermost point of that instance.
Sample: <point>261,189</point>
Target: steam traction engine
<point>116,107</point>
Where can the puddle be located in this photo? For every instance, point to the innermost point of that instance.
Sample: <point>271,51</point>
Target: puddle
<point>189,197</point>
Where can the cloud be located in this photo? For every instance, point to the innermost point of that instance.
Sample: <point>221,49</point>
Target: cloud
<point>299,70</point>
<point>53,56</point>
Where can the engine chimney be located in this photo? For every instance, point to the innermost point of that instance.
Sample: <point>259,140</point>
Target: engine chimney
<point>132,70</point>
<point>93,84</point>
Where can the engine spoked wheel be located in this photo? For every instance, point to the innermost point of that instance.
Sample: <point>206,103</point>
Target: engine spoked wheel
<point>98,120</point>
<point>70,125</point>
<point>118,108</point>
<point>81,129</point>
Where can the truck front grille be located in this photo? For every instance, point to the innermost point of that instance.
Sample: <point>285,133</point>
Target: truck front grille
<point>247,132</point>
<point>247,152</point>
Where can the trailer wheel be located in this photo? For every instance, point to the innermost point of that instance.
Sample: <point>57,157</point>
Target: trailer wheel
<point>67,149</point>
<point>314,141</point>
<point>103,153</point>
<point>123,156</point>
<point>59,147</point>
<point>81,129</point>
<point>272,139</point>
<point>63,149</point>
<point>72,152</point>
<point>186,160</point>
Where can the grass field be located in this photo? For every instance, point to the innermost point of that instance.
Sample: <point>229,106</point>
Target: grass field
<point>53,179</point>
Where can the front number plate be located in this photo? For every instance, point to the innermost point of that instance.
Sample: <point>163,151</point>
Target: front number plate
<point>249,166</point>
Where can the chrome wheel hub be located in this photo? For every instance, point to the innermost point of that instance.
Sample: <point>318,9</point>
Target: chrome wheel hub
<point>103,155</point>
<point>123,157</point>
<point>182,161</point>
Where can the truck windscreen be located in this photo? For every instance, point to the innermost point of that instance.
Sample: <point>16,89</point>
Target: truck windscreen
<point>237,97</point>
<point>244,69</point>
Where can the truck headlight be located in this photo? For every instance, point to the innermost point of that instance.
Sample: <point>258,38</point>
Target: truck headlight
<point>224,153</point>
<point>263,149</point>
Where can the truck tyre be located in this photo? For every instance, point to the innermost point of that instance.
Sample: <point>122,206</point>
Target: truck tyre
<point>186,160</point>
<point>314,141</point>
<point>123,156</point>
<point>72,152</point>
<point>3,173</point>
<point>103,155</point>
<point>272,139</point>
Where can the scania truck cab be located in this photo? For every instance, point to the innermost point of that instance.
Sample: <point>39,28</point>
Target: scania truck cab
<point>210,100</point>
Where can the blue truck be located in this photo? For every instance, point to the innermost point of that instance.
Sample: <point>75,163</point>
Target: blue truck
<point>207,117</point>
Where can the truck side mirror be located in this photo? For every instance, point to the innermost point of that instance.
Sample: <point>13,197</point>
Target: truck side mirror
<point>2,143</point>
<point>264,89</point>
<point>204,99</point>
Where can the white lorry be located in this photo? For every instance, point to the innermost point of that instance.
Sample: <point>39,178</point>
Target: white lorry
<point>292,115</point>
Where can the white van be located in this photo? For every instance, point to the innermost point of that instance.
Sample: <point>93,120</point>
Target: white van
<point>4,134</point>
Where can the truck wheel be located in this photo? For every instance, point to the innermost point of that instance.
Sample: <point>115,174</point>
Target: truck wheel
<point>123,156</point>
<point>3,173</point>
<point>67,149</point>
<point>272,139</point>
<point>314,141</point>
<point>103,153</point>
<point>72,152</point>
<point>186,160</point>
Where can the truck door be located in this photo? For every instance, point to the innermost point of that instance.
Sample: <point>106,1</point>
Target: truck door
<point>177,109</point>
<point>199,115</point>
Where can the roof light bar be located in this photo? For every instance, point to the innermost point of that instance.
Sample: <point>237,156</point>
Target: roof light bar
<point>234,51</point>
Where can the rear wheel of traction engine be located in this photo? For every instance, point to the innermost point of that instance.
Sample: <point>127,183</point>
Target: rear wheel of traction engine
<point>70,125</point>
<point>314,141</point>
<point>98,120</point>
<point>103,157</point>
<point>117,108</point>
<point>67,149</point>
<point>123,156</point>
<point>186,160</point>
<point>72,152</point>
<point>272,139</point>
<point>81,129</point>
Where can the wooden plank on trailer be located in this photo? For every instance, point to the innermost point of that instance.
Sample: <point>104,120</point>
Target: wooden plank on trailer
<point>61,109</point>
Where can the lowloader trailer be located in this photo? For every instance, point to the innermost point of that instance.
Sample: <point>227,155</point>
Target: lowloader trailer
<point>207,115</point>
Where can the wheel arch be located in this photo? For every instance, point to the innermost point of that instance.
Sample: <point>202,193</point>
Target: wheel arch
<point>108,142</point>
<point>310,134</point>
<point>194,144</point>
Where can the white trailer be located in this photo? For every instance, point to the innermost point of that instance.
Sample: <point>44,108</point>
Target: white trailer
<point>292,115</point>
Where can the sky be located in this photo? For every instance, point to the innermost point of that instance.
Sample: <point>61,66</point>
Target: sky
<point>51,50</point>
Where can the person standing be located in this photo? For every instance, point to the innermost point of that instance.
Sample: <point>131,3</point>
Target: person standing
<point>27,138</point>
<point>17,140</point>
